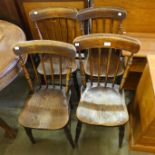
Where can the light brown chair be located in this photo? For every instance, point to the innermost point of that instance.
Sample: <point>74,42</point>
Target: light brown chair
<point>103,102</point>
<point>60,24</point>
<point>105,19</point>
<point>47,106</point>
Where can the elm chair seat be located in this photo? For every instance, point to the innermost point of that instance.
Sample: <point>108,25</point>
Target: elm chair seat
<point>45,109</point>
<point>102,106</point>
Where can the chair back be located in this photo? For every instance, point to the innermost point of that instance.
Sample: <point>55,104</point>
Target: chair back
<point>50,49</point>
<point>56,23</point>
<point>102,19</point>
<point>111,42</point>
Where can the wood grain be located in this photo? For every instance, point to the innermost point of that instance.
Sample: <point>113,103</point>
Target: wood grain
<point>142,127</point>
<point>139,12</point>
<point>9,66</point>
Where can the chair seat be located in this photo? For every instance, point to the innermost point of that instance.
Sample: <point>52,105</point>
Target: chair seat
<point>103,61</point>
<point>45,109</point>
<point>102,106</point>
<point>56,66</point>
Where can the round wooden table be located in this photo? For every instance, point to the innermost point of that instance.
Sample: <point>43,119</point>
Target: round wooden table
<point>9,62</point>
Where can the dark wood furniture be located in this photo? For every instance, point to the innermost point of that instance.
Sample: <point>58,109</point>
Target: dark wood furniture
<point>103,103</point>
<point>9,62</point>
<point>48,105</point>
<point>142,111</point>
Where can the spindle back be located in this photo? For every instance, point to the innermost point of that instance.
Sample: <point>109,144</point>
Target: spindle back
<point>102,19</point>
<point>111,42</point>
<point>56,23</point>
<point>52,50</point>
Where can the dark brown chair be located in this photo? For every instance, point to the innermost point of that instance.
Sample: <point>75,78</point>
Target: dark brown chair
<point>47,106</point>
<point>103,102</point>
<point>105,19</point>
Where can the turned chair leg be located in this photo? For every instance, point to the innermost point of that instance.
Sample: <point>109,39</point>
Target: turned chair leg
<point>78,131</point>
<point>121,135</point>
<point>69,136</point>
<point>29,134</point>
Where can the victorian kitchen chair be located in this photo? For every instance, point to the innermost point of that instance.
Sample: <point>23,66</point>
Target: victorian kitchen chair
<point>47,106</point>
<point>103,102</point>
<point>102,20</point>
<point>60,24</point>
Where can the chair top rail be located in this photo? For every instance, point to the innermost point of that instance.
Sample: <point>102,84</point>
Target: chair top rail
<point>45,46</point>
<point>115,13</point>
<point>53,12</point>
<point>106,40</point>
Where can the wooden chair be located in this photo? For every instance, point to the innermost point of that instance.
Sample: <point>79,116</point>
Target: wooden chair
<point>60,24</point>
<point>102,20</point>
<point>103,102</point>
<point>47,106</point>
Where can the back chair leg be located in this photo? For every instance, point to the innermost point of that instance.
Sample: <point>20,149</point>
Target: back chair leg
<point>121,135</point>
<point>69,136</point>
<point>76,85</point>
<point>78,131</point>
<point>29,134</point>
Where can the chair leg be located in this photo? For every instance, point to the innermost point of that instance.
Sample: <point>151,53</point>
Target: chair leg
<point>121,135</point>
<point>69,136</point>
<point>78,131</point>
<point>76,85</point>
<point>29,134</point>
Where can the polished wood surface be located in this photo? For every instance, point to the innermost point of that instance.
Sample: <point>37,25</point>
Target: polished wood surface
<point>48,106</point>
<point>103,102</point>
<point>9,68</point>
<point>140,13</point>
<point>142,110</point>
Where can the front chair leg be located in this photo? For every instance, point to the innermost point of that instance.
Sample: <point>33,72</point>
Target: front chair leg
<point>121,135</point>
<point>29,134</point>
<point>69,136</point>
<point>78,131</point>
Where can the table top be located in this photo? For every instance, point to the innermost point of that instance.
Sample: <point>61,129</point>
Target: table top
<point>147,43</point>
<point>9,35</point>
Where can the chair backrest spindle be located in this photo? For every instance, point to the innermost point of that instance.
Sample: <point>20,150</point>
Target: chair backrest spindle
<point>114,43</point>
<point>45,48</point>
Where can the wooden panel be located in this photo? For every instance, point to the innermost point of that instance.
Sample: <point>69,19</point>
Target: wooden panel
<point>142,111</point>
<point>27,5</point>
<point>139,12</point>
<point>8,11</point>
